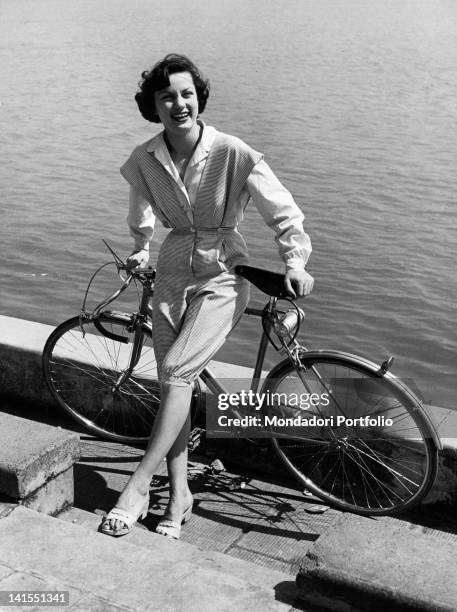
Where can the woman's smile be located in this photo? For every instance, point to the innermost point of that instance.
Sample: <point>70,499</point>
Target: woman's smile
<point>181,117</point>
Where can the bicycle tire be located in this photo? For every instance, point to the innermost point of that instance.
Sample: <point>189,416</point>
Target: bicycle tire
<point>81,365</point>
<point>380,470</point>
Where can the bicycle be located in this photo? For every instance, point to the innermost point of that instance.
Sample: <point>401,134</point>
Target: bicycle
<point>100,367</point>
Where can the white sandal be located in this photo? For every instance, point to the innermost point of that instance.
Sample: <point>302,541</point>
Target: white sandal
<point>126,517</point>
<point>172,529</point>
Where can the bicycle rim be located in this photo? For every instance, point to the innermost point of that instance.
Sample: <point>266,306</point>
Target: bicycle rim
<point>373,469</point>
<point>83,368</point>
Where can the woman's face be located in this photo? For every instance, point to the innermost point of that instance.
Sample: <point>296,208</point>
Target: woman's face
<point>177,104</point>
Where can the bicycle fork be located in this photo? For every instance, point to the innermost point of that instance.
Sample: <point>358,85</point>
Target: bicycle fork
<point>137,323</point>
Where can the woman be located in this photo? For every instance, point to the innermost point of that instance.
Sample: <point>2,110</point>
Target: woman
<point>197,181</point>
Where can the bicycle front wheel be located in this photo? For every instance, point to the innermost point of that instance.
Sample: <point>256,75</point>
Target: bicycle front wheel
<point>84,366</point>
<point>367,446</point>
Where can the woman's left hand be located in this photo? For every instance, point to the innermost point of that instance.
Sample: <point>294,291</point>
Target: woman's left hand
<point>298,283</point>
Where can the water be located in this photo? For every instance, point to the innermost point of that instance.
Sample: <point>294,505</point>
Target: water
<point>353,104</point>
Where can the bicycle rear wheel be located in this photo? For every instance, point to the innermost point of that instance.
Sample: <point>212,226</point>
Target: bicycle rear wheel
<point>377,467</point>
<point>82,367</point>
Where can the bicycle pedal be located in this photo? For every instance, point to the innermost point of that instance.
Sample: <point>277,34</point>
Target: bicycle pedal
<point>216,466</point>
<point>195,474</point>
<point>194,439</point>
<point>239,482</point>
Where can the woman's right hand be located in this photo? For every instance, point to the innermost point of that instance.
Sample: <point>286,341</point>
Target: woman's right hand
<point>137,259</point>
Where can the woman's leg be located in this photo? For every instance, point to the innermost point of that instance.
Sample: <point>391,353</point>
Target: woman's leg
<point>211,310</point>
<point>180,495</point>
<point>167,437</point>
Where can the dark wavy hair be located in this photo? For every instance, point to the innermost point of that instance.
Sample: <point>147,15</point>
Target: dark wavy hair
<point>159,77</point>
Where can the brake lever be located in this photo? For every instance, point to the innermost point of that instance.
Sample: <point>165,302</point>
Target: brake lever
<point>118,261</point>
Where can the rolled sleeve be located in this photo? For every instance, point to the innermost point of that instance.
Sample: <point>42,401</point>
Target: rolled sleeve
<point>140,219</point>
<point>280,212</point>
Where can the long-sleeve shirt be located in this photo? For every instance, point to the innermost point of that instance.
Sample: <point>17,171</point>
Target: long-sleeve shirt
<point>273,201</point>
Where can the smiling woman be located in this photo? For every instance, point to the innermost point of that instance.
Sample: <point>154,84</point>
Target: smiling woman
<point>158,79</point>
<point>197,181</point>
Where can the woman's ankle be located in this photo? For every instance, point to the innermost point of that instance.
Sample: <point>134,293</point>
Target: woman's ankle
<point>180,496</point>
<point>140,483</point>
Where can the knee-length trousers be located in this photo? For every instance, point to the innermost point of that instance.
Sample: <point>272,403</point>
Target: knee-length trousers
<point>191,320</point>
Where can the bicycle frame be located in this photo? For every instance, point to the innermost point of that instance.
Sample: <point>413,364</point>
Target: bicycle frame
<point>216,387</point>
<point>292,350</point>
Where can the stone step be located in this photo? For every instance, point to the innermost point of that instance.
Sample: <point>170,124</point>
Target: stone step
<point>142,537</point>
<point>380,564</point>
<point>104,573</point>
<point>36,463</point>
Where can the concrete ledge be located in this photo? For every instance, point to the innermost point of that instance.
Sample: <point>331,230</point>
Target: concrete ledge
<point>387,564</point>
<point>36,463</point>
<point>21,346</point>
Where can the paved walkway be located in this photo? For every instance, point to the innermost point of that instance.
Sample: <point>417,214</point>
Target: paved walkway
<point>242,515</point>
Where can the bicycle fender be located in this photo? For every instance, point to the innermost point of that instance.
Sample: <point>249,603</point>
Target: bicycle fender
<point>415,403</point>
<point>109,334</point>
<point>109,315</point>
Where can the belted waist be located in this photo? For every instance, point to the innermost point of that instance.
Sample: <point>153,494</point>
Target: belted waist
<point>208,251</point>
<point>182,231</point>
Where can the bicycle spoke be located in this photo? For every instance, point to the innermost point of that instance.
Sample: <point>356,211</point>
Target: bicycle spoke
<point>395,473</point>
<point>88,374</point>
<point>403,462</point>
<point>369,469</point>
<point>367,485</point>
<point>80,370</point>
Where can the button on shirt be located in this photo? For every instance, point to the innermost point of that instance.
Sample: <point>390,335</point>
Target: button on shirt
<point>273,201</point>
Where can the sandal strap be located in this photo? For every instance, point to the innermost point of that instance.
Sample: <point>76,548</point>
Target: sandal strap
<point>169,528</point>
<point>169,524</point>
<point>122,515</point>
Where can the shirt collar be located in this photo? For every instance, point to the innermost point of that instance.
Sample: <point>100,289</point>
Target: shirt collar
<point>158,146</point>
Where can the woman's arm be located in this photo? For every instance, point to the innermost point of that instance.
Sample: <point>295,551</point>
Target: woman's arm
<point>140,220</point>
<point>280,212</point>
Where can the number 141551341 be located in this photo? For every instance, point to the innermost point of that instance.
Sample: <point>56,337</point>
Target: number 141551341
<point>35,598</point>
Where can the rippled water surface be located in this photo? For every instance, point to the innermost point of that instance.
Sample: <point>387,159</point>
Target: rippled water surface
<point>353,104</point>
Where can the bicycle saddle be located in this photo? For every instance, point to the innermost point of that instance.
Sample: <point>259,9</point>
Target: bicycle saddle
<point>271,283</point>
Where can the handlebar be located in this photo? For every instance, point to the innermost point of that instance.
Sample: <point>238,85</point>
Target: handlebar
<point>145,275</point>
<point>121,267</point>
<point>112,297</point>
<point>149,273</point>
